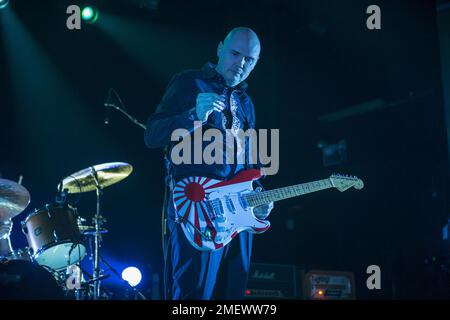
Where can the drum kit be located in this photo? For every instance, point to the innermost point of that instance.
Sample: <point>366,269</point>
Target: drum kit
<point>57,236</point>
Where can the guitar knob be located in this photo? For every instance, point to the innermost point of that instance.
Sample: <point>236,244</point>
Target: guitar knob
<point>207,233</point>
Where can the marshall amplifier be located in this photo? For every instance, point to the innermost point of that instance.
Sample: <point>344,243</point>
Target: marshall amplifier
<point>278,281</point>
<point>328,285</point>
<point>272,281</point>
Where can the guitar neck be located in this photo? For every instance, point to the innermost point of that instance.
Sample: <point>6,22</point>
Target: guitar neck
<point>265,197</point>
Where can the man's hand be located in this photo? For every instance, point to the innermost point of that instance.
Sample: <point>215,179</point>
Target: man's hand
<point>207,103</point>
<point>262,212</point>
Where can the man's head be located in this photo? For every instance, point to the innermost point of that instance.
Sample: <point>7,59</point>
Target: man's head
<point>238,55</point>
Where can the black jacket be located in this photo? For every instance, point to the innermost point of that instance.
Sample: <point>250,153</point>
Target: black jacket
<point>177,111</point>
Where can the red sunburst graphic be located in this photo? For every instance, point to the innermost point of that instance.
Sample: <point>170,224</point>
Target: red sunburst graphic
<point>194,192</point>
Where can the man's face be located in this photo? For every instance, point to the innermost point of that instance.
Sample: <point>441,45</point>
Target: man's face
<point>237,58</point>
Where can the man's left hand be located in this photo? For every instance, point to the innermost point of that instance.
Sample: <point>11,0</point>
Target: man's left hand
<point>262,212</point>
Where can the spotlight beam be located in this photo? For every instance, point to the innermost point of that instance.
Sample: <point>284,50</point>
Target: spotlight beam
<point>3,3</point>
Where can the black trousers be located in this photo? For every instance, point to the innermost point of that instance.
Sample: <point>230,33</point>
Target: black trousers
<point>202,275</point>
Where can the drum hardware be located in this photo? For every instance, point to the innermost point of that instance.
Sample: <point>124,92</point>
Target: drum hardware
<point>98,222</point>
<point>88,230</point>
<point>92,281</point>
<point>96,178</point>
<point>56,234</point>
<point>19,254</point>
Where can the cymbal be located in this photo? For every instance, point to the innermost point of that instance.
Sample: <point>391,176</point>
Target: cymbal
<point>106,173</point>
<point>14,198</point>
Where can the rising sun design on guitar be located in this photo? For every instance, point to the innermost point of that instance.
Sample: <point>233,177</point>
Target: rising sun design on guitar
<point>212,212</point>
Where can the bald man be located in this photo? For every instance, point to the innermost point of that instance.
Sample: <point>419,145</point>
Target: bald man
<point>215,97</point>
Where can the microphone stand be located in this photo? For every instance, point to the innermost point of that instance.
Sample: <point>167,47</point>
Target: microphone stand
<point>99,219</point>
<point>134,120</point>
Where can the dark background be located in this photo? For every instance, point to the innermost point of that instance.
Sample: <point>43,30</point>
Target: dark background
<point>317,57</point>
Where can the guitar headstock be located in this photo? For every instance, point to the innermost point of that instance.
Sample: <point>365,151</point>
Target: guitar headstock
<point>343,182</point>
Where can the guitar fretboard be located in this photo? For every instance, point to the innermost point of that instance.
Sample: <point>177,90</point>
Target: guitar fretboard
<point>265,197</point>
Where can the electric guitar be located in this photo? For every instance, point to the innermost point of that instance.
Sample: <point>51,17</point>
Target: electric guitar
<point>212,212</point>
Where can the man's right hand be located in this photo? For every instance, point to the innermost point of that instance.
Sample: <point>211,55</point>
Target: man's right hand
<point>207,103</point>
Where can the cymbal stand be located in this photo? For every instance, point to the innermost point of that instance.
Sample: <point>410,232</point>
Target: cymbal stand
<point>98,222</point>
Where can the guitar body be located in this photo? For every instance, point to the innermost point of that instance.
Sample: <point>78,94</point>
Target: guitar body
<point>212,212</point>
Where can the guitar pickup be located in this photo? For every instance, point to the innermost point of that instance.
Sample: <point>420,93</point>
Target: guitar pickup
<point>243,201</point>
<point>230,204</point>
<point>210,209</point>
<point>215,208</point>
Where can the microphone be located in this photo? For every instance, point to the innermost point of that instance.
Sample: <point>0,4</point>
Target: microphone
<point>106,120</point>
<point>107,105</point>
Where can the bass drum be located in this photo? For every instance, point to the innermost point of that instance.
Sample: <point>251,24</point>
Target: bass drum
<point>25,280</point>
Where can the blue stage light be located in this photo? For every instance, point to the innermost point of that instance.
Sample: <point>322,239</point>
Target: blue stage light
<point>132,275</point>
